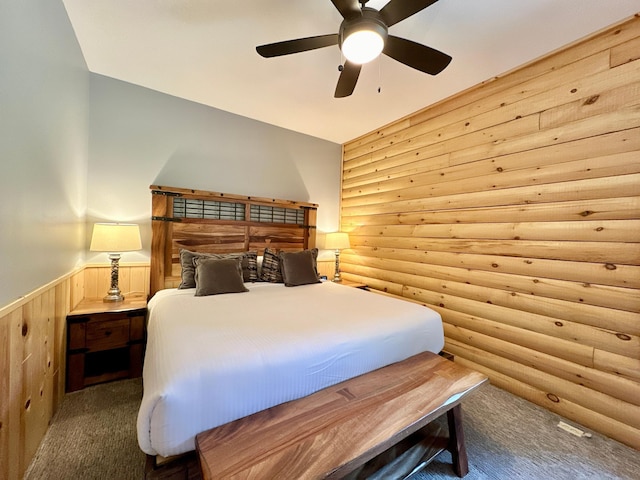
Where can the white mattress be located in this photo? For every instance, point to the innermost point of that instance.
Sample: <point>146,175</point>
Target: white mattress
<point>211,360</point>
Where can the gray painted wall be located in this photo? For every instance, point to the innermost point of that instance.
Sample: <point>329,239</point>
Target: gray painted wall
<point>44,95</point>
<point>140,137</point>
<point>76,148</point>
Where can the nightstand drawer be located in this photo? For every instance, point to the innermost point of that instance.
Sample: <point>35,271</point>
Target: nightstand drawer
<point>108,334</point>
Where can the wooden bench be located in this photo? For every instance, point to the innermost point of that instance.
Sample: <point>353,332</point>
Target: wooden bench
<point>334,431</point>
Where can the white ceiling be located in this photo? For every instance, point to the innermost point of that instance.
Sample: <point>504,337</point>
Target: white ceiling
<point>204,51</point>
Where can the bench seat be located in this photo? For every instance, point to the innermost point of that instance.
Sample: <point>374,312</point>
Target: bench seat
<point>334,431</point>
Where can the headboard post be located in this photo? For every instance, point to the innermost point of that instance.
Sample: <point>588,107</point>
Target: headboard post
<point>159,209</point>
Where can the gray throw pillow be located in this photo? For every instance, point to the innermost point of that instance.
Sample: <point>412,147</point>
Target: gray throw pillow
<point>215,276</point>
<point>299,268</point>
<point>249,265</point>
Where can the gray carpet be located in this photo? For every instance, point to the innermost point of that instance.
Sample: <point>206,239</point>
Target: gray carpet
<point>93,437</point>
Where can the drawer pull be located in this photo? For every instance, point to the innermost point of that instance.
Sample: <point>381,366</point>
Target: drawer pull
<point>107,333</point>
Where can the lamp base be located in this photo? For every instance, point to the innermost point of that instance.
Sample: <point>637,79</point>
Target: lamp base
<point>113,297</point>
<point>114,294</point>
<point>337,278</point>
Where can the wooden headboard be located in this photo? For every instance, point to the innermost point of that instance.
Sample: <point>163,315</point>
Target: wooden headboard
<point>212,222</point>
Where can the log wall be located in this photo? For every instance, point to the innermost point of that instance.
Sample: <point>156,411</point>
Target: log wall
<point>513,209</point>
<point>33,357</point>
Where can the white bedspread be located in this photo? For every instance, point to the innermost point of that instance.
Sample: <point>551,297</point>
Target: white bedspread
<point>211,360</point>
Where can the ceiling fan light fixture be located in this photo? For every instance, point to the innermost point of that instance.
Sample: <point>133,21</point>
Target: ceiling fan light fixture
<point>362,46</point>
<point>362,38</point>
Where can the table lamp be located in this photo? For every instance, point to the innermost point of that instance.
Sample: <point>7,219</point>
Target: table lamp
<point>337,241</point>
<point>115,238</point>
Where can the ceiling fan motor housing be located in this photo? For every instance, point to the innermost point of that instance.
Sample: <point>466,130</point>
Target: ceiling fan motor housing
<point>370,20</point>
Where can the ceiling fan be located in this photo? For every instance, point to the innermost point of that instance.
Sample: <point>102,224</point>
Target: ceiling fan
<point>362,36</point>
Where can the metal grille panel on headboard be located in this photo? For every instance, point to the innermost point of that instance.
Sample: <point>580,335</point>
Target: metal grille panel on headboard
<point>213,222</point>
<point>207,209</point>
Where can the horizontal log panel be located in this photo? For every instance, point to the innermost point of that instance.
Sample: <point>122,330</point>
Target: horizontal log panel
<point>432,144</point>
<point>619,120</point>
<point>623,325</point>
<point>592,252</point>
<point>577,292</point>
<point>625,231</point>
<point>628,346</point>
<point>496,176</point>
<point>625,52</point>
<point>593,273</point>
<point>556,347</point>
<point>615,385</point>
<point>382,132</point>
<point>618,186</point>
<point>628,367</point>
<point>414,161</point>
<point>490,111</point>
<point>590,419</point>
<point>595,104</point>
<point>597,209</point>
<point>454,136</point>
<point>395,167</point>
<point>593,400</point>
<point>540,68</point>
<point>517,109</point>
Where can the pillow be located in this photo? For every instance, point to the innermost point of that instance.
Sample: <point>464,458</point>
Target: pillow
<point>270,269</point>
<point>299,268</point>
<point>215,276</point>
<point>249,265</point>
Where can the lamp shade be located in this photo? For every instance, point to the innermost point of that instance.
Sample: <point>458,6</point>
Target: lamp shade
<point>337,241</point>
<point>115,237</point>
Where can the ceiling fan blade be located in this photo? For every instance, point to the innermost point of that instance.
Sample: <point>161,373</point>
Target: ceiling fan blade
<point>397,10</point>
<point>295,46</point>
<point>347,8</point>
<point>348,79</point>
<point>415,55</point>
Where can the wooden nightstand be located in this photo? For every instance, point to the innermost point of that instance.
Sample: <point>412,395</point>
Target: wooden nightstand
<point>105,341</point>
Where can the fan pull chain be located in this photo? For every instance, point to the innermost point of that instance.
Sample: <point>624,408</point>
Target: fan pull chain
<point>379,73</point>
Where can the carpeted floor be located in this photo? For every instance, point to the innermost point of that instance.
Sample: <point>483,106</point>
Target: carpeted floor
<point>93,436</point>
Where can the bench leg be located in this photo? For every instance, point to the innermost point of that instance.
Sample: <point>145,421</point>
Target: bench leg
<point>456,441</point>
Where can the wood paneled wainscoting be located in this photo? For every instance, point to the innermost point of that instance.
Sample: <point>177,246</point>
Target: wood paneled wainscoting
<point>513,209</point>
<point>32,357</point>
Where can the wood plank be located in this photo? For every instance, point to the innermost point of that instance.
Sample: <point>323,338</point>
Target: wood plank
<point>606,101</point>
<point>611,253</point>
<point>339,428</point>
<point>625,52</point>
<point>192,193</point>
<point>597,209</point>
<point>576,231</point>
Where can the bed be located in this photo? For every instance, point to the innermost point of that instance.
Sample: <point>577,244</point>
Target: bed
<point>211,359</point>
